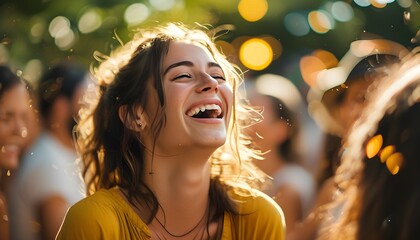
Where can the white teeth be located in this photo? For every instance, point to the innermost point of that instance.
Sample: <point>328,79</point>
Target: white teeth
<point>203,108</point>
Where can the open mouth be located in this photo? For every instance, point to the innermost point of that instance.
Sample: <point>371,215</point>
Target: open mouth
<point>206,111</point>
<point>9,148</point>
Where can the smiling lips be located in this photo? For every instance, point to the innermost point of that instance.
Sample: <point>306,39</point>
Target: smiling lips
<point>10,149</point>
<point>206,111</point>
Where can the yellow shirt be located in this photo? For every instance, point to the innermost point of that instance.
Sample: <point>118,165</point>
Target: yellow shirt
<point>106,215</point>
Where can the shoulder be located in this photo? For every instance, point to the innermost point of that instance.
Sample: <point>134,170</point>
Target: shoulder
<point>256,202</point>
<point>44,173</point>
<point>46,154</point>
<point>90,217</point>
<point>103,215</point>
<point>98,205</point>
<point>259,213</point>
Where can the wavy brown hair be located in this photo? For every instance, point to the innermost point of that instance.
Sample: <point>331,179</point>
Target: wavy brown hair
<point>113,154</point>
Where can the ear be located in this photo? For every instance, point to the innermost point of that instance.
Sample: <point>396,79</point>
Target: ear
<point>135,123</point>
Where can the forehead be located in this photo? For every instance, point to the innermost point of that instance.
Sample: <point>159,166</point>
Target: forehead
<point>14,98</point>
<point>188,52</point>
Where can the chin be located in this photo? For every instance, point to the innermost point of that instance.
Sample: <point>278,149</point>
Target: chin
<point>8,164</point>
<point>213,142</point>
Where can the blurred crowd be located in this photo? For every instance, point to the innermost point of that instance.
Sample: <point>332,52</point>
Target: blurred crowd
<point>363,186</point>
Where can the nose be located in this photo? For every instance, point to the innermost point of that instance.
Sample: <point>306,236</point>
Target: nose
<point>20,128</point>
<point>208,84</point>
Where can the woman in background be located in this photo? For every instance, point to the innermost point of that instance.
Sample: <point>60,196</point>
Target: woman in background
<point>279,136</point>
<point>336,108</point>
<point>14,110</point>
<point>379,174</point>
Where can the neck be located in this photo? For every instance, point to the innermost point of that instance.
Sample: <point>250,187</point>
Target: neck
<point>181,184</point>
<point>179,180</point>
<point>61,133</point>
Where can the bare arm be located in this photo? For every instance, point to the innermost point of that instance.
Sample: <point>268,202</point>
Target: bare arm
<point>308,228</point>
<point>289,200</point>
<point>51,214</point>
<point>4,222</point>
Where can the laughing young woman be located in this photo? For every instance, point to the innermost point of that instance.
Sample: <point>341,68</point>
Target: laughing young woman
<point>163,147</point>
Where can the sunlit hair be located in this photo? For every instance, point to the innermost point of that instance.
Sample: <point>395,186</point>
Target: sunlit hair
<point>378,203</point>
<point>112,153</point>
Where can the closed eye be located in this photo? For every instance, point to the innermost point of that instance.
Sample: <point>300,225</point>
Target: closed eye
<point>218,77</point>
<point>184,75</point>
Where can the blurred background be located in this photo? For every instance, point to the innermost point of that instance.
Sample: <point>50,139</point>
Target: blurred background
<point>261,36</point>
<point>291,38</point>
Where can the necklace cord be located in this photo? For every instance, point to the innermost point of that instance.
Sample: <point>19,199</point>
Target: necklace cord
<point>189,231</point>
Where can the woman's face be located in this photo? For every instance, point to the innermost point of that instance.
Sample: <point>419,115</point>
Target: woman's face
<point>271,131</point>
<point>14,109</point>
<point>353,103</point>
<point>198,100</point>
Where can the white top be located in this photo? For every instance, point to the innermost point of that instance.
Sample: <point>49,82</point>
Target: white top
<point>47,168</point>
<point>300,179</point>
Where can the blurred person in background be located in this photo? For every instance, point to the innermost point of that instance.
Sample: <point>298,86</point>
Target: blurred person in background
<point>379,173</point>
<point>49,179</point>
<point>14,111</point>
<point>335,103</point>
<point>278,135</point>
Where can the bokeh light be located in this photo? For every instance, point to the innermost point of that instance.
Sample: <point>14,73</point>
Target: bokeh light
<point>328,58</point>
<point>342,11</point>
<point>362,3</point>
<point>309,69</point>
<point>296,24</point>
<point>312,64</point>
<point>252,10</point>
<point>4,54</point>
<point>90,21</point>
<point>275,45</point>
<point>33,71</point>
<point>394,163</point>
<point>320,21</point>
<point>256,54</point>
<point>59,26</point>
<point>136,13</point>
<point>62,33</point>
<point>378,3</point>
<point>374,145</point>
<point>405,3</point>
<point>386,152</point>
<point>162,5</point>
<point>383,1</point>
<point>38,28</point>
<point>88,26</point>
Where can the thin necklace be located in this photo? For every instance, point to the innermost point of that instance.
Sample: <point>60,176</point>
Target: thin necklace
<point>162,237</point>
<point>184,234</point>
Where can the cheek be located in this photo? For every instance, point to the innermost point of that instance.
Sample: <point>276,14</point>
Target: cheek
<point>174,97</point>
<point>227,96</point>
<point>174,103</point>
<point>4,132</point>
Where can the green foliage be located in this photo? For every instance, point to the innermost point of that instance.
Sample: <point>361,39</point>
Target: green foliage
<point>24,26</point>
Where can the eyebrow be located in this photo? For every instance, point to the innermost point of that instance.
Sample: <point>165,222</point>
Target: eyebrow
<point>188,64</point>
